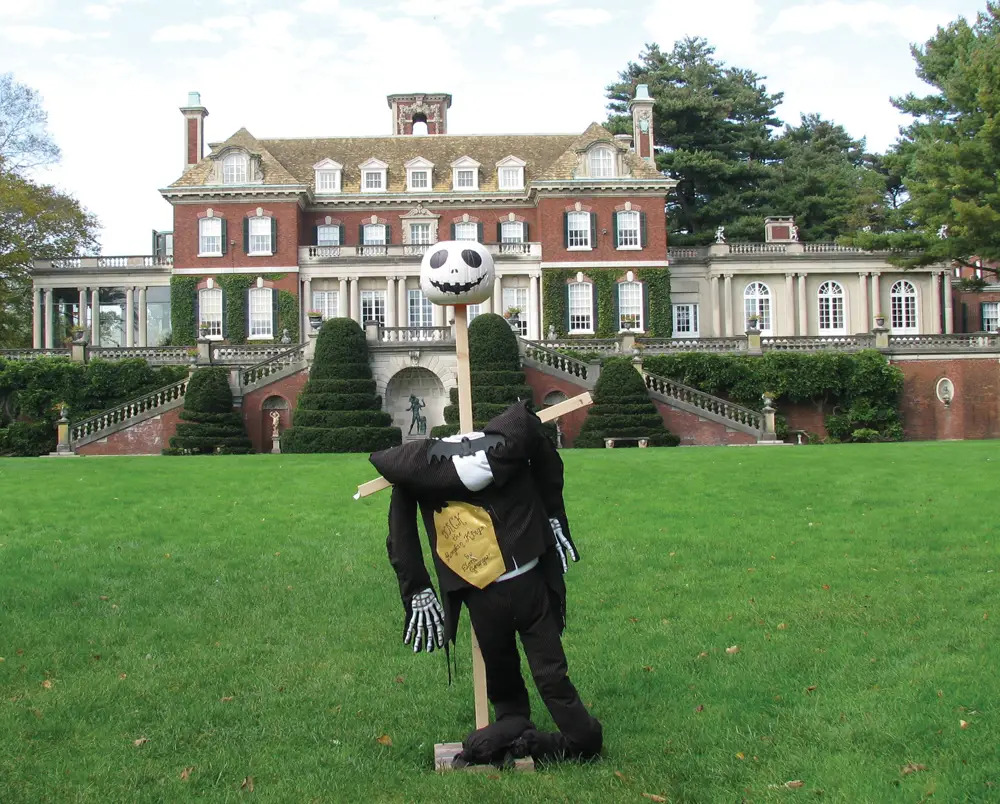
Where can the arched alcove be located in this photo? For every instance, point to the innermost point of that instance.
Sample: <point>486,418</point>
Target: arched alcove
<point>427,388</point>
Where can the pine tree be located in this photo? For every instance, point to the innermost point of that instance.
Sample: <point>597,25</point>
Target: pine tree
<point>338,410</point>
<point>622,408</point>
<point>209,425</point>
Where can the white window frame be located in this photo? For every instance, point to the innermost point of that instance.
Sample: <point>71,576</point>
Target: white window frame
<point>517,297</point>
<point>465,179</point>
<point>259,243</point>
<point>686,321</point>
<point>510,177</point>
<point>904,308</point>
<point>634,231</point>
<point>512,232</point>
<point>601,162</point>
<point>459,168</point>
<point>260,320</point>
<point>757,300</point>
<point>419,310</point>
<point>368,234</point>
<point>583,243</point>
<point>991,316</point>
<point>327,302</point>
<point>331,232</point>
<point>373,181</point>
<point>374,301</point>
<point>584,323</point>
<point>463,228</point>
<point>206,240</point>
<point>328,177</point>
<point>425,230</point>
<point>235,168</point>
<point>831,304</point>
<point>210,304</point>
<point>418,179</point>
<point>631,288</point>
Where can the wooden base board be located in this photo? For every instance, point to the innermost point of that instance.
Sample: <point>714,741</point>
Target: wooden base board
<point>444,753</point>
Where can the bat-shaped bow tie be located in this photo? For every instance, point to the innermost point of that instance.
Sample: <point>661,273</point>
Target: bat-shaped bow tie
<point>440,449</point>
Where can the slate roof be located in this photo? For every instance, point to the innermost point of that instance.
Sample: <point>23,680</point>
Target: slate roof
<point>549,157</point>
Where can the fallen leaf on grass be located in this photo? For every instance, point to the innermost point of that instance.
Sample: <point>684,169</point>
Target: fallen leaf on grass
<point>227,699</point>
<point>811,689</point>
<point>103,597</point>
<point>140,741</point>
<point>247,784</point>
<point>385,739</point>
<point>703,654</point>
<point>400,679</point>
<point>795,784</point>
<point>633,619</point>
<point>647,668</point>
<point>186,773</point>
<point>37,713</point>
<point>740,755</point>
<point>653,797</point>
<point>47,684</point>
<point>621,776</point>
<point>123,676</point>
<point>963,724</point>
<point>700,708</point>
<point>782,626</point>
<point>733,649</point>
<point>826,587</point>
<point>911,767</point>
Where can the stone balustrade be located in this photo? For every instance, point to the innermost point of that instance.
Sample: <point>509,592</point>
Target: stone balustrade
<point>94,263</point>
<point>674,345</point>
<point>296,356</point>
<point>736,416</point>
<point>154,355</point>
<point>415,334</point>
<point>558,361</point>
<point>837,343</point>
<point>32,354</point>
<point>96,426</point>
<point>758,248</point>
<point>313,255</point>
<point>242,354</point>
<point>986,341</point>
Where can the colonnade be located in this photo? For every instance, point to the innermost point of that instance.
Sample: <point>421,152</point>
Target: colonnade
<point>43,322</point>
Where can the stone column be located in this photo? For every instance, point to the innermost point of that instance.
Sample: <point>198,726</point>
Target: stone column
<point>391,298</point>
<point>935,328</point>
<point>789,322</point>
<point>95,317</point>
<point>142,316</point>
<point>305,305</point>
<point>949,312</point>
<point>355,300</point>
<point>533,311</point>
<point>437,315</point>
<point>403,305</point>
<point>36,319</point>
<point>498,295</point>
<point>866,317</point>
<point>342,300</point>
<point>713,291</point>
<point>48,318</point>
<point>727,303</point>
<point>876,297</point>
<point>82,307</point>
<point>803,306</point>
<point>129,316</point>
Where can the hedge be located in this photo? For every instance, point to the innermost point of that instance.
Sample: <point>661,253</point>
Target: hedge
<point>209,424</point>
<point>343,418</point>
<point>355,386</point>
<point>339,439</point>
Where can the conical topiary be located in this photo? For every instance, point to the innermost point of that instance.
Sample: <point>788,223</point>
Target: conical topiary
<point>209,425</point>
<point>497,377</point>
<point>622,408</point>
<point>338,410</point>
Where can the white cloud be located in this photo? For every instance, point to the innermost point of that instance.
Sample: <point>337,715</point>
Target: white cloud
<point>731,26</point>
<point>37,35</point>
<point>186,32</point>
<point>99,12</point>
<point>868,18</point>
<point>577,17</point>
<point>21,10</point>
<point>465,13</point>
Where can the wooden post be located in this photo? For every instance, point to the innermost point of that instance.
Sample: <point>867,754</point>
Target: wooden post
<point>465,425</point>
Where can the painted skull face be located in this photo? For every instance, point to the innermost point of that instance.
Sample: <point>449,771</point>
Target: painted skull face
<point>457,272</point>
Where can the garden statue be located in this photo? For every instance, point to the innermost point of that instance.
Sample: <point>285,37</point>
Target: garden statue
<point>720,235</point>
<point>416,419</point>
<point>794,234</point>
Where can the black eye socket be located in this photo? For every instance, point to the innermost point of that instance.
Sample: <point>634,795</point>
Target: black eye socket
<point>472,258</point>
<point>439,258</point>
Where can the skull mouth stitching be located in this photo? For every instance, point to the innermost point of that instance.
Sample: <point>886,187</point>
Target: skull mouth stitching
<point>457,287</point>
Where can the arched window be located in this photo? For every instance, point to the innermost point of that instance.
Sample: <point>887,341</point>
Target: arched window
<point>602,163</point>
<point>630,307</point>
<point>831,309</point>
<point>757,302</point>
<point>234,169</point>
<point>210,313</point>
<point>903,306</point>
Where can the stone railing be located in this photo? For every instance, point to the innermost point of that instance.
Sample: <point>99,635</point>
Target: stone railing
<point>319,254</point>
<point>73,263</point>
<point>415,334</point>
<point>828,248</point>
<point>838,343</point>
<point>757,248</point>
<point>154,355</point>
<point>555,360</point>
<point>961,341</point>
<point>583,344</point>
<point>246,354</point>
<point>92,428</point>
<point>741,418</point>
<point>671,345</point>
<point>687,253</point>
<point>294,356</point>
<point>32,354</point>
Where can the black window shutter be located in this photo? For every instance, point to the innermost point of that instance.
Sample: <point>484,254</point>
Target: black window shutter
<point>274,235</point>
<point>499,231</point>
<point>982,317</point>
<point>593,299</point>
<point>316,235</point>
<point>452,232</point>
<point>197,314</point>
<point>388,234</point>
<point>341,238</point>
<point>274,314</point>
<point>642,229</point>
<point>565,230</point>
<point>246,235</point>
<point>225,328</point>
<point>225,239</point>
<point>524,231</point>
<point>645,307</point>
<point>614,230</point>
<point>616,321</point>
<point>593,230</point>
<point>479,232</point>
<point>361,234</point>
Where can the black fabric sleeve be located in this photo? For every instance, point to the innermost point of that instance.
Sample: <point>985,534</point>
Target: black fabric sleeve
<point>403,546</point>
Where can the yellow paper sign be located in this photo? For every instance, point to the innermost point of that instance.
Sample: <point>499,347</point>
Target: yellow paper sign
<point>467,543</point>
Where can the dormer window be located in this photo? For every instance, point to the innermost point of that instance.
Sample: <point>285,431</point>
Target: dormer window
<point>418,175</point>
<point>235,168</point>
<point>601,161</point>
<point>510,174</point>
<point>328,176</point>
<point>373,176</point>
<point>465,174</point>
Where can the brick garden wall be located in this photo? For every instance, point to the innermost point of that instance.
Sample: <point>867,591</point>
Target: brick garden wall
<point>975,411</point>
<point>146,438</point>
<point>257,420</point>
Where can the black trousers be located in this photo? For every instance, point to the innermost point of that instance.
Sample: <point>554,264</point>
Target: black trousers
<point>522,607</point>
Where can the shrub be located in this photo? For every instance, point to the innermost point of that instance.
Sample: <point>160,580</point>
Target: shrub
<point>338,409</point>
<point>622,408</point>
<point>209,425</point>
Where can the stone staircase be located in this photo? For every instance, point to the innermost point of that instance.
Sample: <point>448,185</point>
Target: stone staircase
<point>670,392</point>
<point>155,403</point>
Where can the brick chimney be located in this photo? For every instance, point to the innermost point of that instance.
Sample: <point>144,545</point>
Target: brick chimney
<point>194,129</point>
<point>419,107</point>
<point>642,123</point>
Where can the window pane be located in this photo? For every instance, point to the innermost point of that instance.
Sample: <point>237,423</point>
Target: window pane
<point>373,306</point>
<point>326,180</point>
<point>261,313</point>
<point>512,232</point>
<point>685,320</point>
<point>466,231</point>
<point>420,309</point>
<point>373,179</point>
<point>510,178</point>
<point>374,234</point>
<point>260,235</point>
<point>903,303</point>
<point>831,308</point>
<point>418,179</point>
<point>581,309</point>
<point>327,302</point>
<point>234,169</point>
<point>465,178</point>
<point>628,229</point>
<point>420,234</point>
<point>630,306</point>
<point>327,235</point>
<point>210,311</point>
<point>757,301</point>
<point>991,316</point>
<point>210,240</point>
<point>602,163</point>
<point>579,229</point>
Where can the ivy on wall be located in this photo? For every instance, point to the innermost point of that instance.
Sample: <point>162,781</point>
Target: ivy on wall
<point>183,328</point>
<point>288,315</point>
<point>659,321</point>
<point>234,288</point>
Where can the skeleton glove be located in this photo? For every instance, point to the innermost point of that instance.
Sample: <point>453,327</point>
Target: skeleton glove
<point>426,624</point>
<point>563,544</point>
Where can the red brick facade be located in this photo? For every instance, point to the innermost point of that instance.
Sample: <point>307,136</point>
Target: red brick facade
<point>257,419</point>
<point>149,437</point>
<point>973,413</point>
<point>551,223</point>
<point>186,217</point>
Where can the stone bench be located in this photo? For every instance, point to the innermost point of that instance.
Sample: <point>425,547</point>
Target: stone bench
<point>642,441</point>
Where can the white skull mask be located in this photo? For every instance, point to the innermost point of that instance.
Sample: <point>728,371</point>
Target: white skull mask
<point>457,272</point>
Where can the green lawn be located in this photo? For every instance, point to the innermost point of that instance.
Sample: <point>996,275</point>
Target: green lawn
<point>238,618</point>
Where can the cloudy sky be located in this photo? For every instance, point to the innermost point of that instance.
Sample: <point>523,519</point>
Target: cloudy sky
<point>114,73</point>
